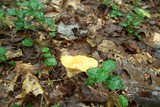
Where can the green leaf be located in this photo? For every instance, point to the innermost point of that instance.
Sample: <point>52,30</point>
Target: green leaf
<point>130,30</point>
<point>140,17</point>
<point>139,13</point>
<point>130,17</point>
<point>52,34</point>
<point>25,3</point>
<point>11,12</point>
<point>27,25</point>
<point>123,101</point>
<point>33,1</point>
<point>124,24</point>
<point>119,14</point>
<point>28,42</point>
<point>45,49</point>
<point>50,61</point>
<point>39,15</point>
<point>106,2</point>
<point>15,105</point>
<point>114,82</point>
<point>12,63</point>
<point>29,105</point>
<point>1,13</point>
<point>47,55</point>
<point>41,5</point>
<point>109,65</point>
<point>27,12</point>
<point>96,75</point>
<point>3,50</point>
<point>48,21</point>
<point>145,13</point>
<point>138,36</point>
<point>18,24</point>
<point>136,23</point>
<point>113,13</point>
<point>53,28</point>
<point>21,13</point>
<point>114,6</point>
<point>34,6</point>
<point>2,58</point>
<point>2,24</point>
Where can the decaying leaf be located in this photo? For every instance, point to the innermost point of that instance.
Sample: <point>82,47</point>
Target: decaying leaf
<point>77,64</point>
<point>15,54</point>
<point>66,30</point>
<point>30,83</point>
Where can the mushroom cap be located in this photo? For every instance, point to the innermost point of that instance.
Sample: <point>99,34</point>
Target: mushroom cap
<point>79,63</point>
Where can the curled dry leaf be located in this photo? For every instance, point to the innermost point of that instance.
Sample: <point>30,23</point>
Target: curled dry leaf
<point>77,64</point>
<point>30,83</point>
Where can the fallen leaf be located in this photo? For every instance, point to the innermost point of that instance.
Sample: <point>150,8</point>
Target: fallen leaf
<point>30,84</point>
<point>77,64</point>
<point>66,30</point>
<point>14,54</point>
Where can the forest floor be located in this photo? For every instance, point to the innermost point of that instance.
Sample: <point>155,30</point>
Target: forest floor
<point>88,28</point>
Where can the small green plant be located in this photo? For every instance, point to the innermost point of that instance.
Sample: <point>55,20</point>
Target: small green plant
<point>123,101</point>
<point>133,21</point>
<point>1,17</point>
<point>3,52</point>
<point>11,62</point>
<point>102,74</point>
<point>106,2</point>
<point>115,13</point>
<point>29,15</point>
<point>49,59</point>
<point>28,42</point>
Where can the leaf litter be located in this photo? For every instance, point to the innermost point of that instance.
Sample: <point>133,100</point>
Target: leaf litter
<point>84,29</point>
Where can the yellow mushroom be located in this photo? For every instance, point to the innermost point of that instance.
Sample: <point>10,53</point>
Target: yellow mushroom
<point>77,64</point>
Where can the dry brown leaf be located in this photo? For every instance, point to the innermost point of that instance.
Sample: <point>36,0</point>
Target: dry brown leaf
<point>15,54</point>
<point>77,64</point>
<point>30,83</point>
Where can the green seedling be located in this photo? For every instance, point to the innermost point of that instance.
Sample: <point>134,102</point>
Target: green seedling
<point>28,42</point>
<point>115,13</point>
<point>49,59</point>
<point>133,21</point>
<point>102,74</point>
<point>29,15</point>
<point>1,17</point>
<point>13,63</point>
<point>106,2</point>
<point>3,52</point>
<point>123,101</point>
